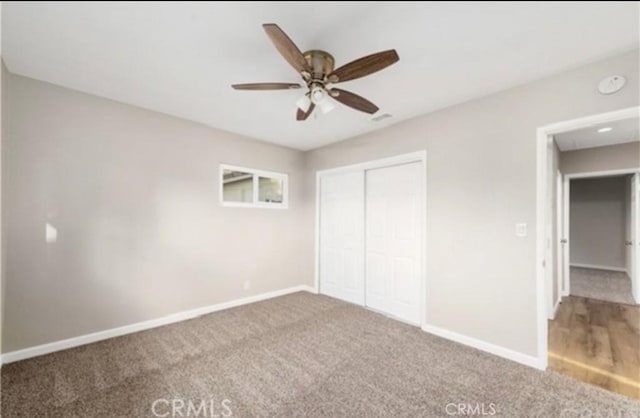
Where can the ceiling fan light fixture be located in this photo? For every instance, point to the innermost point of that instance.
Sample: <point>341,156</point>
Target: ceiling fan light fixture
<point>318,94</point>
<point>326,106</point>
<point>303,103</point>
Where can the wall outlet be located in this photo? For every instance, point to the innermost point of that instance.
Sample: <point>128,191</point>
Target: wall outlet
<point>521,230</point>
<point>247,284</point>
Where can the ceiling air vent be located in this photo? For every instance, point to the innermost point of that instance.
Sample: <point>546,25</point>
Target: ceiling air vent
<point>381,117</point>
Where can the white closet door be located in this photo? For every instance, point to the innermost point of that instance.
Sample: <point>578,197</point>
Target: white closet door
<point>393,240</point>
<point>342,236</point>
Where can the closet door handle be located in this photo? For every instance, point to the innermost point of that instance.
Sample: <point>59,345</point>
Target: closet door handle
<point>628,243</point>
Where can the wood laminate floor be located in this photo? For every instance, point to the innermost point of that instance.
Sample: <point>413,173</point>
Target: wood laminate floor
<point>597,342</point>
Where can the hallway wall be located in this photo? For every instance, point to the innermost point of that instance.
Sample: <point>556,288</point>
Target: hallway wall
<point>598,222</point>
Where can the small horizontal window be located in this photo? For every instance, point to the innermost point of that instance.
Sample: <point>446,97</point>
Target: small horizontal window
<point>246,187</point>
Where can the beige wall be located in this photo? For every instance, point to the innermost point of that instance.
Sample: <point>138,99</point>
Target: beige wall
<point>134,197</point>
<point>481,278</point>
<point>611,157</point>
<point>598,222</point>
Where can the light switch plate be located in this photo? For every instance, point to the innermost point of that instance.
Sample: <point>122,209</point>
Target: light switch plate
<point>50,234</point>
<point>521,230</point>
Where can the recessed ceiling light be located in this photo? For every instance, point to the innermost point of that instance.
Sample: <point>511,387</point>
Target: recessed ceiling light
<point>603,130</point>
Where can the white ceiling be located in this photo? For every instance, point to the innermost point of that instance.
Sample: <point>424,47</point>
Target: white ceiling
<point>180,58</point>
<point>627,130</point>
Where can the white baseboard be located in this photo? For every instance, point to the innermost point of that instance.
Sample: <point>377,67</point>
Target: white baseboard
<point>598,267</point>
<point>497,350</point>
<point>141,326</point>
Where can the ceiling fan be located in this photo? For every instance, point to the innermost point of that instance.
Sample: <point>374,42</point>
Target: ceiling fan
<point>316,68</point>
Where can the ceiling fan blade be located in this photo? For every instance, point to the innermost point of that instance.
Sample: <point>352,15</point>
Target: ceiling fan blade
<point>353,100</point>
<point>364,66</point>
<point>286,47</point>
<point>266,86</point>
<point>301,115</point>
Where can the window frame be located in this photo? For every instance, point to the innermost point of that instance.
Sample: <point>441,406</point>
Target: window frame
<point>256,173</point>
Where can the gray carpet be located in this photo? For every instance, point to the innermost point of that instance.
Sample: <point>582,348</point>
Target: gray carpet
<point>610,286</point>
<point>297,355</point>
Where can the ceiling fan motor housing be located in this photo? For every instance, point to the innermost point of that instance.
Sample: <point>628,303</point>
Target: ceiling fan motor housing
<point>321,64</point>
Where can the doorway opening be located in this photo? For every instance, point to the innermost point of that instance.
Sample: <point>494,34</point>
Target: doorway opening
<point>589,249</point>
<point>599,237</point>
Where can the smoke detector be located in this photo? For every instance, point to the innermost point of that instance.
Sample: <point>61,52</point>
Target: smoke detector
<point>611,84</point>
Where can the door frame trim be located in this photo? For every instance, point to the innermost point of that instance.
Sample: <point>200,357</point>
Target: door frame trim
<point>412,157</point>
<point>544,136</point>
<point>566,271</point>
<point>604,173</point>
<point>560,234</point>
<point>635,237</point>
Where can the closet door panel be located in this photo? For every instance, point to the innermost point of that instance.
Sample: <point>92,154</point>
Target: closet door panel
<point>342,236</point>
<point>393,245</point>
